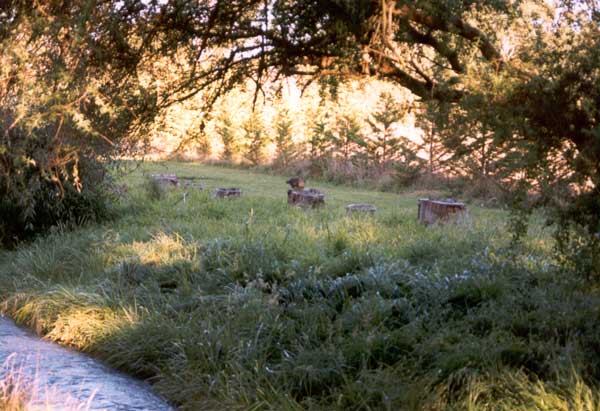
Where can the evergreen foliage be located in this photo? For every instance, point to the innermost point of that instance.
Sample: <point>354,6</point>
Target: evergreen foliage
<point>286,150</point>
<point>255,139</point>
<point>319,146</point>
<point>346,138</point>
<point>225,131</point>
<point>382,146</point>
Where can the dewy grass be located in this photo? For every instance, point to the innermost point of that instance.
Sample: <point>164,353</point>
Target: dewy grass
<point>250,304</point>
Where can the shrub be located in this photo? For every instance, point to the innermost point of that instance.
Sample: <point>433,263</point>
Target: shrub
<point>42,185</point>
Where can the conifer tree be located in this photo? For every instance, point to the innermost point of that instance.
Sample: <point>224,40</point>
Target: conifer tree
<point>255,139</point>
<point>382,144</point>
<point>319,145</point>
<point>225,130</point>
<point>286,150</point>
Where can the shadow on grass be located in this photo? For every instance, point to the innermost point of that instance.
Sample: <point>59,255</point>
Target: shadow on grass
<point>383,335</point>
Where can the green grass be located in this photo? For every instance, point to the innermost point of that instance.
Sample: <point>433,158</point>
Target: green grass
<point>250,304</point>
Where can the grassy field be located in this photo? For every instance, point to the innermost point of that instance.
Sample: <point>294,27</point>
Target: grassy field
<point>250,304</point>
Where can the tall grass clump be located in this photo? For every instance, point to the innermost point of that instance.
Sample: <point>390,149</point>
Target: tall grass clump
<point>154,189</point>
<point>19,392</point>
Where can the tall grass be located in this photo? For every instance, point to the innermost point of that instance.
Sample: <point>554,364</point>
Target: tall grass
<point>250,304</point>
<point>22,392</point>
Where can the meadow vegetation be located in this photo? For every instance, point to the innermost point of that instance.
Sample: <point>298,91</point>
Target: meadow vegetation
<point>250,304</point>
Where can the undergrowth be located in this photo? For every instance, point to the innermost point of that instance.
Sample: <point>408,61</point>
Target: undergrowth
<point>250,304</point>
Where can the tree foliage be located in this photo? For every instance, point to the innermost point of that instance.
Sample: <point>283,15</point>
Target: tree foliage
<point>383,146</point>
<point>524,74</point>
<point>319,145</point>
<point>67,103</point>
<point>286,149</point>
<point>225,131</point>
<point>255,139</point>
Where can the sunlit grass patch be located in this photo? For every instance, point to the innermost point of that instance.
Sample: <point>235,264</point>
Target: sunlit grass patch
<point>69,316</point>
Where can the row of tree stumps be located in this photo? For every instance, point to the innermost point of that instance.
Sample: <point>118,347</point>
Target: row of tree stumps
<point>171,180</point>
<point>311,197</point>
<point>429,211</point>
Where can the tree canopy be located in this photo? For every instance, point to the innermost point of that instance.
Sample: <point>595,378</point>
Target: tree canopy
<point>437,49</point>
<point>526,71</point>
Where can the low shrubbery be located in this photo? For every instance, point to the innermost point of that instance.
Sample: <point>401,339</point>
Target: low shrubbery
<point>45,184</point>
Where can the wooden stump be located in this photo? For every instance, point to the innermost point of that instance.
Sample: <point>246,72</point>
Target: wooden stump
<point>192,184</point>
<point>166,179</point>
<point>227,193</point>
<point>306,198</point>
<point>434,211</point>
<point>360,208</point>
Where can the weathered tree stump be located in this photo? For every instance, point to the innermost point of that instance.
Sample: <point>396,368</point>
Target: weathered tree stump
<point>436,211</point>
<point>227,193</point>
<point>360,208</point>
<point>166,179</point>
<point>296,183</point>
<point>306,198</point>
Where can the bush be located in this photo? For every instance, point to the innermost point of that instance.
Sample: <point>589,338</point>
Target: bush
<point>45,184</point>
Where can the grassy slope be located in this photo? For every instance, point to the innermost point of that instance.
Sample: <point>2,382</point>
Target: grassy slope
<point>250,304</point>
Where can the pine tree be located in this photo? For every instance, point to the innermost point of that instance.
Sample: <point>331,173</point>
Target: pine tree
<point>255,139</point>
<point>284,142</point>
<point>319,145</point>
<point>383,146</point>
<point>225,130</point>
<point>432,120</point>
<point>347,138</point>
